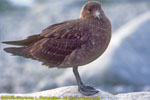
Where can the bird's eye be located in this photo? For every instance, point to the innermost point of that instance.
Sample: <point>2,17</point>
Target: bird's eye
<point>89,9</point>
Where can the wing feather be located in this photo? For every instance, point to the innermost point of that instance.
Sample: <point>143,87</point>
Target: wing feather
<point>55,42</point>
<point>59,43</point>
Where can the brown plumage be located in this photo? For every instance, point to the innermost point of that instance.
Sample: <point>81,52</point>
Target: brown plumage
<point>71,43</point>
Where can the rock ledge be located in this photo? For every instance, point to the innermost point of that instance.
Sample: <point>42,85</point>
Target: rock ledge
<point>71,93</point>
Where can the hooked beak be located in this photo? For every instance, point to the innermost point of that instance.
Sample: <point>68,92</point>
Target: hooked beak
<point>98,14</point>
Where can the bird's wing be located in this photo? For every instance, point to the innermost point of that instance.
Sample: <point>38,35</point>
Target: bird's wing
<point>68,29</point>
<point>49,31</point>
<point>59,42</point>
<point>33,38</point>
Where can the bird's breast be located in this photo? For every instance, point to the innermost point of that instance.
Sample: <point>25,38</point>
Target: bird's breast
<point>98,39</point>
<point>90,51</point>
<point>97,45</point>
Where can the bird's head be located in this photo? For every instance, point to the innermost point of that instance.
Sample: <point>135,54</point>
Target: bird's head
<point>92,9</point>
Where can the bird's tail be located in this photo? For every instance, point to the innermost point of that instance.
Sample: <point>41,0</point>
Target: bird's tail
<point>24,42</point>
<point>19,51</point>
<point>26,45</point>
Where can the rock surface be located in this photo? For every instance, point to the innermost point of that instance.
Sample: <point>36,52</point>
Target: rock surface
<point>72,91</point>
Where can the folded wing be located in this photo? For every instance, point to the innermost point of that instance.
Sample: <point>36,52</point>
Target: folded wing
<point>59,43</point>
<point>53,44</point>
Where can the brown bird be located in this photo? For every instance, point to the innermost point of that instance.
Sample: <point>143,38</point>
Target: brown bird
<point>69,44</point>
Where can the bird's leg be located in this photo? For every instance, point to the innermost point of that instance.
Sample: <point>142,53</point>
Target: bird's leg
<point>86,90</point>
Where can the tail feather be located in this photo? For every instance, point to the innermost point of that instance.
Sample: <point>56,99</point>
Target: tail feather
<point>24,42</point>
<point>19,51</point>
<point>21,42</point>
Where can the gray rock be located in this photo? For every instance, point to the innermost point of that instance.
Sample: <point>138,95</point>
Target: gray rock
<point>71,93</point>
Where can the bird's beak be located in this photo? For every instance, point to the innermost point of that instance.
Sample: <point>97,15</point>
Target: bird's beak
<point>98,14</point>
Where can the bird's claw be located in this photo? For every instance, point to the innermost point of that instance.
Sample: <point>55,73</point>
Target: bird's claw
<point>88,90</point>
